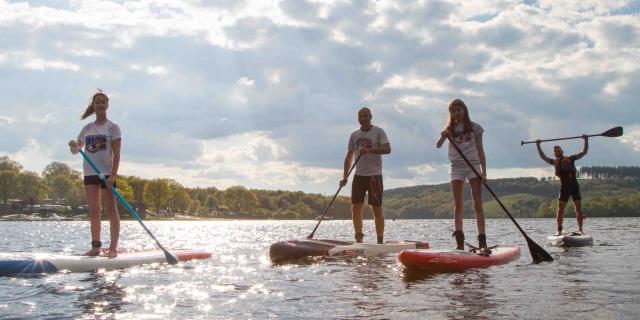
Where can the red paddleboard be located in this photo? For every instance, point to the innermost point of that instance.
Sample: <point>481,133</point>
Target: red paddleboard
<point>455,260</point>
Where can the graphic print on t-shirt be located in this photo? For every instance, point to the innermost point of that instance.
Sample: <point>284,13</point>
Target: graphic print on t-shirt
<point>363,143</point>
<point>461,137</point>
<point>96,143</point>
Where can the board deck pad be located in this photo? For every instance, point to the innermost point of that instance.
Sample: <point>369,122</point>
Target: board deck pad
<point>292,250</point>
<point>570,239</point>
<point>36,263</point>
<point>451,260</point>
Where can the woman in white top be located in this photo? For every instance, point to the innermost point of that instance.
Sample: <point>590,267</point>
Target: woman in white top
<point>467,135</point>
<point>101,139</point>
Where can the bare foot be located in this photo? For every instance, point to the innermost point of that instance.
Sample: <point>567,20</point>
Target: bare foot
<point>112,253</point>
<point>92,253</point>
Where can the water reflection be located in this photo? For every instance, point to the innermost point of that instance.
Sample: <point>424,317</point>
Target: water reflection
<point>367,284</point>
<point>467,295</point>
<point>103,297</point>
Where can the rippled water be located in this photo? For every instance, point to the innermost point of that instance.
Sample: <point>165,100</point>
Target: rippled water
<point>599,282</point>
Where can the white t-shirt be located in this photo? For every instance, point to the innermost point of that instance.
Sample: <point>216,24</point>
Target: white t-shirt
<point>466,143</point>
<point>369,164</point>
<point>97,145</point>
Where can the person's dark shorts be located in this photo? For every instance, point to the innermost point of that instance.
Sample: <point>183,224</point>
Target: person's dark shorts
<point>367,184</point>
<point>95,180</point>
<point>572,190</point>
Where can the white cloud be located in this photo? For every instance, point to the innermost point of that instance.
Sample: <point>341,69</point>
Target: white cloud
<point>157,70</point>
<point>412,81</point>
<point>375,66</point>
<point>244,81</point>
<point>422,169</point>
<point>42,65</point>
<point>263,93</point>
<point>632,137</point>
<point>86,52</point>
<point>6,120</point>
<point>32,155</point>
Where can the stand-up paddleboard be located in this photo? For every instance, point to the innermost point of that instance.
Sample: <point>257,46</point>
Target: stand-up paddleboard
<point>451,260</point>
<point>35,263</point>
<point>571,239</point>
<point>288,251</point>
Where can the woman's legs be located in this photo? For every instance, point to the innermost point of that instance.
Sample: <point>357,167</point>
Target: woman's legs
<point>93,201</point>
<point>476,195</point>
<point>457,189</point>
<point>109,200</point>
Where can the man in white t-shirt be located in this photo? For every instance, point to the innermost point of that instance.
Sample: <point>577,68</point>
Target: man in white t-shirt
<point>370,142</point>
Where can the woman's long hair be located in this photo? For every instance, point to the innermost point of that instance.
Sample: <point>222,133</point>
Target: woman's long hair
<point>89,110</point>
<point>466,121</point>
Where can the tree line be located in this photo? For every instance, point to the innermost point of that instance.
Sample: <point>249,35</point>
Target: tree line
<point>609,191</point>
<point>64,185</point>
<point>620,172</point>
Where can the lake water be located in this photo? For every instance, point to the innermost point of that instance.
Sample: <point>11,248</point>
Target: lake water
<point>239,282</point>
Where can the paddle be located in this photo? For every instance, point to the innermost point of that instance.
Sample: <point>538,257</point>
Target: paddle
<point>310,236</point>
<point>611,133</point>
<point>171,259</point>
<point>537,252</point>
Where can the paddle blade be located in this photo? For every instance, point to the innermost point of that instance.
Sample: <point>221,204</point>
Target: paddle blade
<point>613,132</point>
<point>171,259</point>
<point>538,254</point>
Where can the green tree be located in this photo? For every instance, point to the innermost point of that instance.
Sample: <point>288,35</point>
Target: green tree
<point>212,202</point>
<point>194,207</point>
<point>31,186</point>
<point>8,182</point>
<point>156,193</point>
<point>137,188</point>
<point>74,195</point>
<point>178,199</point>
<point>59,168</point>
<point>61,186</point>
<point>9,165</point>
<point>9,171</point>
<point>240,200</point>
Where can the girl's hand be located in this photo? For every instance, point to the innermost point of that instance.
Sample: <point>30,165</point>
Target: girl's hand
<point>73,146</point>
<point>111,181</point>
<point>484,178</point>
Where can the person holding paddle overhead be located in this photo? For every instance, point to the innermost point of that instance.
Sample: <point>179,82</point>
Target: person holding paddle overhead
<point>101,140</point>
<point>467,136</point>
<point>370,142</point>
<point>565,169</point>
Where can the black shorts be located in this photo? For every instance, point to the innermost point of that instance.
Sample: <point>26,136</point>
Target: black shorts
<point>367,184</point>
<point>95,180</point>
<point>571,190</point>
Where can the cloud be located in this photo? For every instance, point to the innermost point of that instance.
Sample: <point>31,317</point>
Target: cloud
<point>265,93</point>
<point>6,120</point>
<point>632,137</point>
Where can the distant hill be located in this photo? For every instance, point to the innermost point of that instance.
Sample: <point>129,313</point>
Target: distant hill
<point>524,197</point>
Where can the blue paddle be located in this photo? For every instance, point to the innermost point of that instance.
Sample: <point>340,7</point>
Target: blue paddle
<point>171,259</point>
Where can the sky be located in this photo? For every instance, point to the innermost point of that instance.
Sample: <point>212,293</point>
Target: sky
<point>265,93</point>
